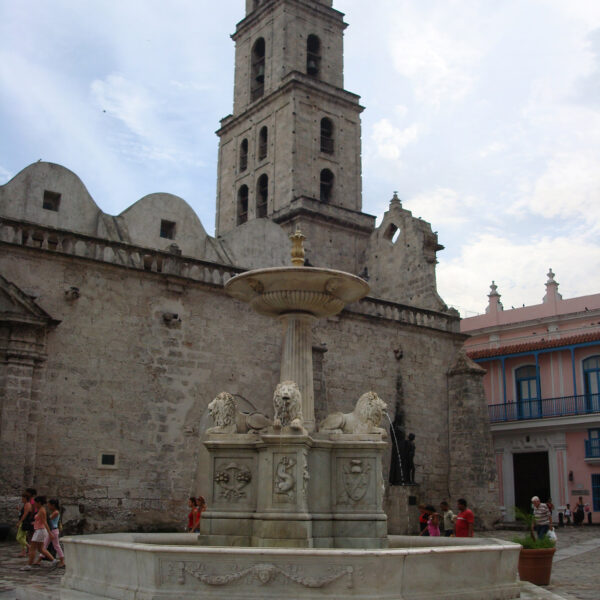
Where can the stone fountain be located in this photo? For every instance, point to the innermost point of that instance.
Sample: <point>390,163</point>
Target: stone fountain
<point>295,509</point>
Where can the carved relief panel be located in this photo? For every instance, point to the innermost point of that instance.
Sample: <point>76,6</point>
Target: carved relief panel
<point>233,484</point>
<point>285,478</point>
<point>356,479</point>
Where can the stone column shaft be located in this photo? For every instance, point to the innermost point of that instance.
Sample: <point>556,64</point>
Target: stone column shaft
<point>296,361</point>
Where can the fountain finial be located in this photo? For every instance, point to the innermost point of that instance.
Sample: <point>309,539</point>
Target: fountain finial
<point>297,247</point>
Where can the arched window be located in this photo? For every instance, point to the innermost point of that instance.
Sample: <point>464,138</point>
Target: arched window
<point>527,392</point>
<point>262,196</point>
<point>313,55</point>
<point>257,83</point>
<point>392,233</point>
<point>326,185</point>
<point>327,135</point>
<point>591,383</point>
<point>242,205</point>
<point>263,138</point>
<point>244,155</point>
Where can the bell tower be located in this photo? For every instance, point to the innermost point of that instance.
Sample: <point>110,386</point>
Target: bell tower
<point>291,150</point>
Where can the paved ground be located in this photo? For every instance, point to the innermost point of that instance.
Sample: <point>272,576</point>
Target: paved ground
<point>575,572</point>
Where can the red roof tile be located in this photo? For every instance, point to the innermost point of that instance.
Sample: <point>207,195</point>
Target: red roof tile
<point>537,345</point>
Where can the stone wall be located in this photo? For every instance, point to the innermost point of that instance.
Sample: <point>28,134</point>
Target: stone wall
<point>139,354</point>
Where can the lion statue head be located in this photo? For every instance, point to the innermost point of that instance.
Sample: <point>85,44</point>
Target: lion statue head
<point>223,410</point>
<point>369,409</point>
<point>287,403</point>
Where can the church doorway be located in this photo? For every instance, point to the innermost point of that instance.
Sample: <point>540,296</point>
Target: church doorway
<point>532,478</point>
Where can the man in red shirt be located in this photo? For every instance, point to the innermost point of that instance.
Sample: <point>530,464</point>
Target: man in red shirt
<point>464,520</point>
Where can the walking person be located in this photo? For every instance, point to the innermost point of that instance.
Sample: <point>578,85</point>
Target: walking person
<point>447,521</point>
<point>423,519</point>
<point>40,531</point>
<point>53,523</point>
<point>568,515</point>
<point>192,505</point>
<point>200,508</point>
<point>433,522</point>
<point>579,512</point>
<point>25,523</point>
<point>542,518</point>
<point>464,521</point>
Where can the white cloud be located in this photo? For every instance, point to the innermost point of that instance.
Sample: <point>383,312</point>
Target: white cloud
<point>438,64</point>
<point>390,141</point>
<point>518,268</point>
<point>443,207</point>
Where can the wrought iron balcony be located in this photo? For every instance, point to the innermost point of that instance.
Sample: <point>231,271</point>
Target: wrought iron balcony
<point>545,408</point>
<point>592,448</point>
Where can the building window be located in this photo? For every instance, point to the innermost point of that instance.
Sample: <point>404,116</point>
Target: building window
<point>262,196</point>
<point>596,491</point>
<point>527,392</point>
<point>392,233</point>
<point>591,383</point>
<point>257,83</point>
<point>167,229</point>
<point>327,135</point>
<point>242,205</point>
<point>244,155</point>
<point>313,55</point>
<point>108,459</point>
<point>263,138</point>
<point>592,444</point>
<point>51,200</point>
<point>326,185</point>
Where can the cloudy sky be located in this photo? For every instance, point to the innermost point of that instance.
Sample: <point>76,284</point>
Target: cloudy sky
<point>483,115</point>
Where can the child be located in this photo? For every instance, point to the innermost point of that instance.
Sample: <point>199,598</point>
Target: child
<point>433,522</point>
<point>53,521</point>
<point>192,514</point>
<point>200,508</point>
<point>40,530</point>
<point>447,519</point>
<point>568,515</point>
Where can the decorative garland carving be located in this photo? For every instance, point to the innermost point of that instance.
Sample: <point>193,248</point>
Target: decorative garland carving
<point>263,574</point>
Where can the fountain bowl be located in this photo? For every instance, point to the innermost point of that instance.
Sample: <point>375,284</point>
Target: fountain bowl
<point>130,566</point>
<point>282,290</point>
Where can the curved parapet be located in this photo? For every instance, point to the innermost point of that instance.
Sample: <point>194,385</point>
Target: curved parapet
<point>49,194</point>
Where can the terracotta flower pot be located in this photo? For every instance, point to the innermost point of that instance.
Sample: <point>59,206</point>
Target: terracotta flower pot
<point>535,566</point>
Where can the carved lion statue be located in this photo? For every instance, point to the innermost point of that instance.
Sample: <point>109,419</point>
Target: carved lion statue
<point>365,418</point>
<point>228,419</point>
<point>287,403</point>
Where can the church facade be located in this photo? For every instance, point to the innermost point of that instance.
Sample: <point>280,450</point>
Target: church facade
<point>116,333</point>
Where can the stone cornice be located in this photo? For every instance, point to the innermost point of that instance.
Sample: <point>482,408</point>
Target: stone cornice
<point>175,268</point>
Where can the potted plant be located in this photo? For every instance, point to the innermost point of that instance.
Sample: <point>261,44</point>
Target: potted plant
<point>535,559</point>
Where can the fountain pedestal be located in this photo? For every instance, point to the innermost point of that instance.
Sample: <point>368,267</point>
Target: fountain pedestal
<point>296,491</point>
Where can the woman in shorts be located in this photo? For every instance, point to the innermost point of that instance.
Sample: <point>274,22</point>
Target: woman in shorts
<point>40,531</point>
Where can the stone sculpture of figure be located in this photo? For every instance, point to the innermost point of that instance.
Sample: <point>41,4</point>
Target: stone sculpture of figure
<point>365,418</point>
<point>409,457</point>
<point>287,403</point>
<point>228,419</point>
<point>398,475</point>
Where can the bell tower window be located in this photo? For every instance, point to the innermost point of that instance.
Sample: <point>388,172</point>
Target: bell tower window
<point>313,55</point>
<point>244,155</point>
<point>262,196</point>
<point>257,83</point>
<point>326,185</point>
<point>242,205</point>
<point>327,135</point>
<point>263,138</point>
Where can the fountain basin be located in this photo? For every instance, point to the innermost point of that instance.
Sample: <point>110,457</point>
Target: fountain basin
<point>281,290</point>
<point>130,566</point>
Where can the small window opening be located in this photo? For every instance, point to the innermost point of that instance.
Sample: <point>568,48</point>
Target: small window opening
<point>262,196</point>
<point>242,207</point>
<point>257,84</point>
<point>313,55</point>
<point>167,229</point>
<point>326,185</point>
<point>263,138</point>
<point>108,459</point>
<point>392,233</point>
<point>51,200</point>
<point>244,155</point>
<point>327,135</point>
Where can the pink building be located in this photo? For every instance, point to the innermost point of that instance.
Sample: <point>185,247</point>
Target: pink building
<point>542,385</point>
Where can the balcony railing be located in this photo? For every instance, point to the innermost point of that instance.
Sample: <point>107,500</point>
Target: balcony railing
<point>592,448</point>
<point>546,408</point>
